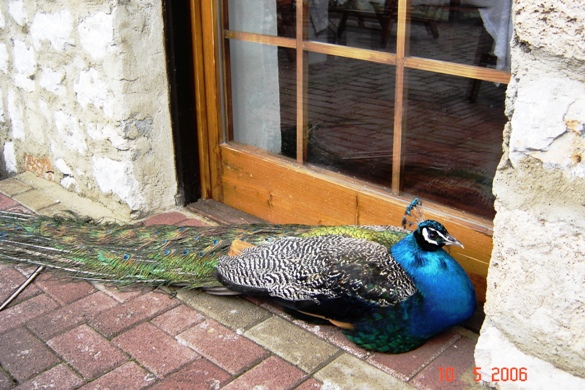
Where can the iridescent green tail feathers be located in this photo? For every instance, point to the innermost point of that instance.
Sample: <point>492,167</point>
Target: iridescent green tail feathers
<point>389,289</point>
<point>155,255</point>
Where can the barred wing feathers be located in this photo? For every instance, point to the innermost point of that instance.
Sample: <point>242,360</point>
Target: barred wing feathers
<point>310,271</point>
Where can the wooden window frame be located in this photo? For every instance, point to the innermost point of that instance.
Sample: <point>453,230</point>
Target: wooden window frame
<point>282,190</point>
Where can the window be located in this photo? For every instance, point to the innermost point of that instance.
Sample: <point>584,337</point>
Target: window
<point>327,109</point>
<point>391,92</point>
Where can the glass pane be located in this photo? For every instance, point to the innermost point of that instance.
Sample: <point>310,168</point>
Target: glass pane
<point>474,32</point>
<point>263,94</point>
<point>451,145</point>
<point>351,112</point>
<point>268,17</point>
<point>355,23</point>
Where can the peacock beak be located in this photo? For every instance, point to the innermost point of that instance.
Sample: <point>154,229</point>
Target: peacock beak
<point>450,240</point>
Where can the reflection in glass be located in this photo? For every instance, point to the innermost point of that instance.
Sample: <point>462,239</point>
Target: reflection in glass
<point>263,94</point>
<point>351,108</point>
<point>372,24</point>
<point>452,126</point>
<point>355,23</point>
<point>268,17</point>
<point>451,146</point>
<point>472,32</point>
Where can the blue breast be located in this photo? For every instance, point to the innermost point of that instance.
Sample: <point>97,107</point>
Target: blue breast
<point>448,297</point>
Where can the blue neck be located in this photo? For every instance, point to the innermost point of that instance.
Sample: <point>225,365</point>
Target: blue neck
<point>448,295</point>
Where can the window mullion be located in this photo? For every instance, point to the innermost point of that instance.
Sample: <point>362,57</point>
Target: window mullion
<point>402,40</point>
<point>302,80</point>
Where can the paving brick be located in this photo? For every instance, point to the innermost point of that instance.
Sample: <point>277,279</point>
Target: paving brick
<point>23,356</point>
<point>155,349</point>
<point>65,318</point>
<point>123,293</point>
<point>223,346</point>
<point>19,209</point>
<point>459,358</point>
<point>177,320</point>
<point>233,312</point>
<point>128,376</point>
<point>144,307</point>
<point>407,365</point>
<point>170,218</point>
<point>63,291</point>
<point>7,203</point>
<point>17,315</point>
<point>59,377</point>
<point>5,381</point>
<point>25,269</point>
<point>199,375</point>
<point>292,343</point>
<point>310,384</point>
<point>87,351</point>
<point>338,339</point>
<point>11,280</point>
<point>273,373</point>
<point>349,372</point>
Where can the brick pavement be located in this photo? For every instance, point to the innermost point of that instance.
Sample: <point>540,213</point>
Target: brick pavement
<point>68,334</point>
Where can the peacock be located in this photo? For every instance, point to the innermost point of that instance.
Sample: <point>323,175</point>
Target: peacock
<point>390,289</point>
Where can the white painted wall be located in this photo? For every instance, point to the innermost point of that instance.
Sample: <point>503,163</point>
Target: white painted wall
<point>84,85</point>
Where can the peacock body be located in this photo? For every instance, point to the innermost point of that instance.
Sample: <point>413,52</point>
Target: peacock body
<point>388,288</point>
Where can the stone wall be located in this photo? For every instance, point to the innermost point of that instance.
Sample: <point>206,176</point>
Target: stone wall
<point>84,99</point>
<point>536,283</point>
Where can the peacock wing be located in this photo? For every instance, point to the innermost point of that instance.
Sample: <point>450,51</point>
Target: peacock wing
<point>319,272</point>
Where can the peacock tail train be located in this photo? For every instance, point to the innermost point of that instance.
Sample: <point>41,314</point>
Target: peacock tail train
<point>184,256</point>
<point>390,289</point>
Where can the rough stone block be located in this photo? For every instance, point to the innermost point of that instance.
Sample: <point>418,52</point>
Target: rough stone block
<point>495,350</point>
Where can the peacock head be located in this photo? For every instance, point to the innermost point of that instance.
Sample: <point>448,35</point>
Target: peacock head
<point>431,236</point>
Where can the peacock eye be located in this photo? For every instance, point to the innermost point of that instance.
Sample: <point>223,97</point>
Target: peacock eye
<point>432,234</point>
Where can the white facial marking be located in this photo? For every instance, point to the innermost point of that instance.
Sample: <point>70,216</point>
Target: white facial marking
<point>425,233</point>
<point>428,239</point>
